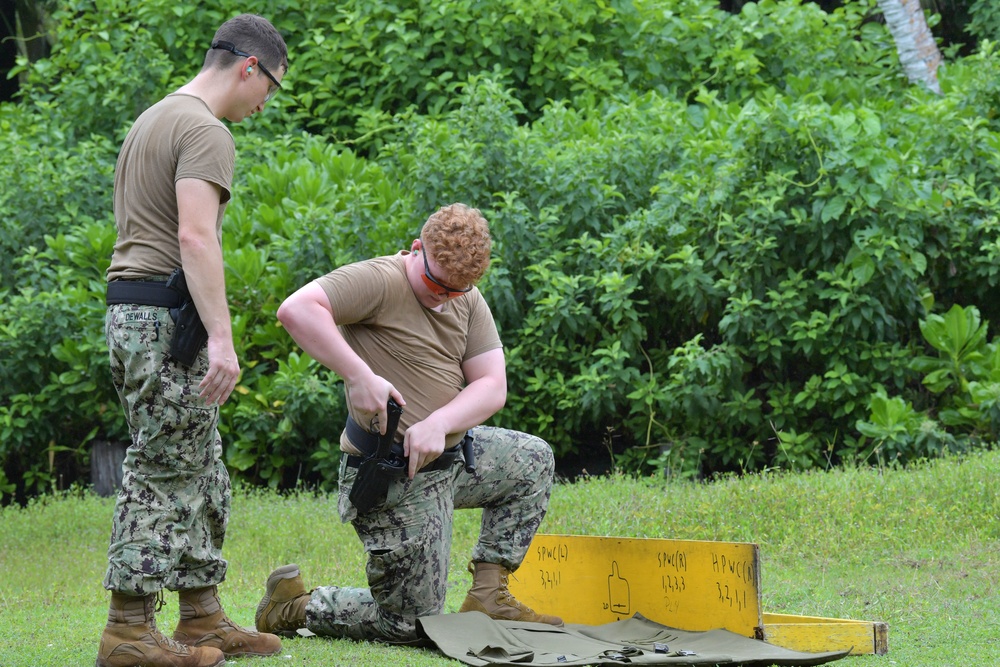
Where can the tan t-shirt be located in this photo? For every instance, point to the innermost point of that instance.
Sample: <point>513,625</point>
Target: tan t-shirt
<point>178,137</point>
<point>420,351</point>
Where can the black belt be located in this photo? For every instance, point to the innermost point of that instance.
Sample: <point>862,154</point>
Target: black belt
<point>368,442</point>
<point>143,293</point>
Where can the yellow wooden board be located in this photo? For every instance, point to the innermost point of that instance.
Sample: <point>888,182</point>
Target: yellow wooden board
<point>816,634</point>
<point>689,585</point>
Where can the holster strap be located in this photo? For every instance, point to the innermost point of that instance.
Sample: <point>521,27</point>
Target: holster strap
<point>368,443</point>
<point>143,293</point>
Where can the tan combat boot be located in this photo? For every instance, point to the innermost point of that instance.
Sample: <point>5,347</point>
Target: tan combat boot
<point>203,622</point>
<point>130,639</point>
<point>283,608</point>
<point>489,595</point>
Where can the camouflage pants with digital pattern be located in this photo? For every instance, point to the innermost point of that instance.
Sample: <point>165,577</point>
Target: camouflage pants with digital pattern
<point>171,513</point>
<point>408,539</point>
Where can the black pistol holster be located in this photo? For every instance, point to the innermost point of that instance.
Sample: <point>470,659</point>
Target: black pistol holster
<point>379,468</point>
<point>189,331</point>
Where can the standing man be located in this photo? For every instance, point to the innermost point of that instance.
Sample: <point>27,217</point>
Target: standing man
<point>413,327</point>
<point>172,184</point>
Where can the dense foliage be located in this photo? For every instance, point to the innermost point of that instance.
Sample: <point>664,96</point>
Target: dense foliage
<point>723,242</point>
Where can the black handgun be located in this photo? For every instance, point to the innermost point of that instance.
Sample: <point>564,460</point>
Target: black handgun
<point>379,468</point>
<point>189,331</point>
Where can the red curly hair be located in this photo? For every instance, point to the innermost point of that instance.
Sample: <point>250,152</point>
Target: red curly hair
<point>458,238</point>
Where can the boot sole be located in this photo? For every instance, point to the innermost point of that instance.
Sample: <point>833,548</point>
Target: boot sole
<point>100,663</point>
<point>284,572</point>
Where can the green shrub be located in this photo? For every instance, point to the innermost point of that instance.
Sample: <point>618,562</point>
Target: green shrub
<point>48,185</point>
<point>722,242</point>
<point>985,20</point>
<point>965,372</point>
<point>105,69</point>
<point>358,61</point>
<point>283,430</point>
<point>57,394</point>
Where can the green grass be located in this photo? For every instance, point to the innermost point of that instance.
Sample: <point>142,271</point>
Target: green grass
<point>917,549</point>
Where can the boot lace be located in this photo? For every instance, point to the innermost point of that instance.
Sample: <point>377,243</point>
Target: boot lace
<point>227,624</point>
<point>503,593</point>
<point>157,603</point>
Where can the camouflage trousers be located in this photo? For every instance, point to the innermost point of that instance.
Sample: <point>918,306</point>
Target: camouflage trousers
<point>171,513</point>
<point>408,539</point>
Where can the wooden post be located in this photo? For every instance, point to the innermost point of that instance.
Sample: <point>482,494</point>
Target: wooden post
<point>106,466</point>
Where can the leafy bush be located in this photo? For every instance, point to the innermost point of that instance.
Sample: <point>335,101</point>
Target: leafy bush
<point>105,69</point>
<point>358,63</point>
<point>985,20</point>
<point>77,182</point>
<point>57,395</point>
<point>295,405</point>
<point>964,372</point>
<point>722,242</point>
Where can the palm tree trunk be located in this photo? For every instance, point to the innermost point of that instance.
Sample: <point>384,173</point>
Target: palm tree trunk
<point>918,52</point>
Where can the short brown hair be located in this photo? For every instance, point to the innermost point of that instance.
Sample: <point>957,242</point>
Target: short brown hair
<point>458,238</point>
<point>251,34</point>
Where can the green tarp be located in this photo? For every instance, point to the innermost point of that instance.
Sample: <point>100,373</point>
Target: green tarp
<point>476,639</point>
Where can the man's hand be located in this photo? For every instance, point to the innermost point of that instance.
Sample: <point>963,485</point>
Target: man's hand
<point>223,371</point>
<point>369,398</point>
<point>423,444</point>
